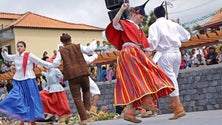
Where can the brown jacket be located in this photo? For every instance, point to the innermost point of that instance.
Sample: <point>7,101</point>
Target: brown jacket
<point>74,64</point>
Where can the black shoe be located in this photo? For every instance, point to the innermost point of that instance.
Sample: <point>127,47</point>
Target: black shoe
<point>51,119</point>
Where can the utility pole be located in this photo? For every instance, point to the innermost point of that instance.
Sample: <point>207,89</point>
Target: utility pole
<point>166,9</point>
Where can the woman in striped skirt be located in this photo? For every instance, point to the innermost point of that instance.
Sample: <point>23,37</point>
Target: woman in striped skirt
<point>139,79</point>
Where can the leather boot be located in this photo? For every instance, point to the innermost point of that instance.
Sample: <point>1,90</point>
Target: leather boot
<point>131,117</point>
<point>178,112</point>
<point>148,103</point>
<point>89,114</point>
<point>171,104</point>
<point>93,109</point>
<point>62,120</point>
<point>129,114</point>
<point>93,114</point>
<point>143,113</point>
<point>83,122</point>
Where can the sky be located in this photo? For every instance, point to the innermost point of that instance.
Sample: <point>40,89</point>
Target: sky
<point>95,13</point>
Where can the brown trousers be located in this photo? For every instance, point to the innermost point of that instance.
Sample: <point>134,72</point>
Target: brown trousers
<point>75,86</point>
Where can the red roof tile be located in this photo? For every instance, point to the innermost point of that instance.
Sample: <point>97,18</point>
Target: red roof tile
<point>9,15</point>
<point>217,18</point>
<point>33,20</point>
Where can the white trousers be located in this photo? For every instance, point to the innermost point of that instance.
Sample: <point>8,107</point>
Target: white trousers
<point>169,62</point>
<point>94,89</point>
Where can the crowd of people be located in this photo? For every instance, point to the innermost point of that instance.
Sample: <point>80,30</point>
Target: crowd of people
<point>202,56</point>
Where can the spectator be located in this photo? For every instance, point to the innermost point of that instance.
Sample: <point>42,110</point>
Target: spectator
<point>205,51</point>
<point>102,75</point>
<point>5,67</point>
<point>190,58</point>
<point>54,54</point>
<point>199,61</point>
<point>45,55</point>
<point>3,90</point>
<point>198,51</point>
<point>93,74</point>
<point>110,73</point>
<point>104,48</point>
<point>98,48</point>
<point>183,63</point>
<point>114,70</point>
<point>220,55</point>
<point>212,56</point>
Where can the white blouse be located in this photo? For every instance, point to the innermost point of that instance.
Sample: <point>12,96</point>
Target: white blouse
<point>53,76</point>
<point>18,60</point>
<point>90,59</point>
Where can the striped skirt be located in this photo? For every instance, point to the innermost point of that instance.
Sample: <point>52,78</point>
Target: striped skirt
<point>138,76</point>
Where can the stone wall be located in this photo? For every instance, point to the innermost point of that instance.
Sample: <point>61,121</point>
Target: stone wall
<point>200,89</point>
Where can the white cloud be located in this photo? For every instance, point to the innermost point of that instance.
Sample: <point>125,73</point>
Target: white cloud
<point>94,12</point>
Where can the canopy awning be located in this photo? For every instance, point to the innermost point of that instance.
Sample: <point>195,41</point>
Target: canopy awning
<point>200,40</point>
<point>107,58</point>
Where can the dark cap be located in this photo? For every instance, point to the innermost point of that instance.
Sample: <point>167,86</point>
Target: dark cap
<point>160,11</point>
<point>140,9</point>
<point>65,37</point>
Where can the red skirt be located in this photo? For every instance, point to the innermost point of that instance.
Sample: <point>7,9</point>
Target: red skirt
<point>55,103</point>
<point>138,76</point>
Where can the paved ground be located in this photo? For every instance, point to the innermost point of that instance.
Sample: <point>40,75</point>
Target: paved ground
<point>213,117</point>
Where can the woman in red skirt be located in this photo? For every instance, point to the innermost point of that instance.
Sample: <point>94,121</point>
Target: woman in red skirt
<point>139,79</point>
<point>53,96</point>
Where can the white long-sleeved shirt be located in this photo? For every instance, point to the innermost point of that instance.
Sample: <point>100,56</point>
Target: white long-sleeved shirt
<point>18,59</point>
<point>165,34</point>
<point>84,49</point>
<point>90,59</point>
<point>53,76</point>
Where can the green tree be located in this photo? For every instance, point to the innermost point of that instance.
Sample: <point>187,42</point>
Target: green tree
<point>198,28</point>
<point>147,21</point>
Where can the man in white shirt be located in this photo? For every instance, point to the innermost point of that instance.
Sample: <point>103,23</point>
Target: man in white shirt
<point>165,36</point>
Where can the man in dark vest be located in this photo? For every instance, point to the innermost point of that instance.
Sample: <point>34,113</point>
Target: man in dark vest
<point>76,71</point>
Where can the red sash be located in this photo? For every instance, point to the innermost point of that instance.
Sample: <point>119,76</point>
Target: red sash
<point>25,60</point>
<point>24,63</point>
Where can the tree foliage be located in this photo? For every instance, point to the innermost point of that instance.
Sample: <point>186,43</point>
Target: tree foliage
<point>198,28</point>
<point>147,21</point>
